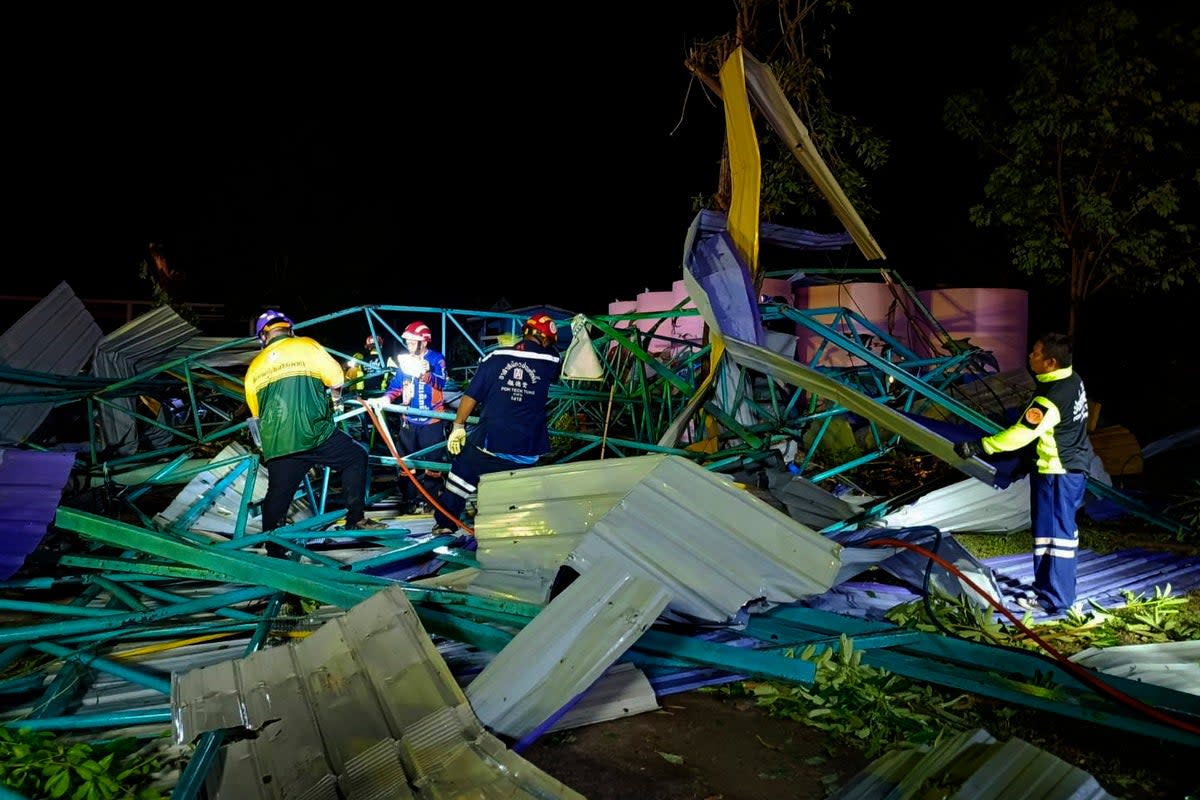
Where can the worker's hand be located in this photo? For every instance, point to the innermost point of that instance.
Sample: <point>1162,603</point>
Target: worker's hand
<point>968,449</point>
<point>458,437</point>
<point>406,394</point>
<point>377,403</point>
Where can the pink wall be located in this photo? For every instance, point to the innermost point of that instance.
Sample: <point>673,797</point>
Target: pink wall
<point>994,319</point>
<point>872,301</point>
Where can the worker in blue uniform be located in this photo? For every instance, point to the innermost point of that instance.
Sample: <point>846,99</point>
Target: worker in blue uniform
<point>1055,422</point>
<point>510,388</point>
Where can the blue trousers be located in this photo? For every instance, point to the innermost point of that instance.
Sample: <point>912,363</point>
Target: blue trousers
<point>1053,501</point>
<point>463,480</point>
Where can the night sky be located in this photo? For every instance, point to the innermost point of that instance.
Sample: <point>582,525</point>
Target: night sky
<point>450,159</point>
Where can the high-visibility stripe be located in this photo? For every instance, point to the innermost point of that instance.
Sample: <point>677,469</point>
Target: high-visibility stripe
<point>1048,540</point>
<point>1054,552</point>
<point>458,485</point>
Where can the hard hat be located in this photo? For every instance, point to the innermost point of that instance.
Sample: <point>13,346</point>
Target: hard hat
<point>418,332</point>
<point>543,327</point>
<point>372,342</point>
<point>270,320</point>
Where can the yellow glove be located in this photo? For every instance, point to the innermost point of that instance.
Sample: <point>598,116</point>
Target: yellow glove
<point>458,437</point>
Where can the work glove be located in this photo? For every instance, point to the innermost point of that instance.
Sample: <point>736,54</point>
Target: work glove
<point>969,448</point>
<point>377,403</point>
<point>458,437</point>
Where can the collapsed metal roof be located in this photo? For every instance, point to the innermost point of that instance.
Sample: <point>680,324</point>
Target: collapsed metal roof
<point>646,492</point>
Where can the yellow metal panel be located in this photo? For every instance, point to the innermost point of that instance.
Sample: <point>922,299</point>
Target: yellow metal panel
<point>745,168</point>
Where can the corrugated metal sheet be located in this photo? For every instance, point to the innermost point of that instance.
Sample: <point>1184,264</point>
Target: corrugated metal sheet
<point>715,545</point>
<point>981,768</point>
<point>968,505</point>
<point>31,486</point>
<point>565,648</point>
<point>137,346</point>
<point>1175,665</point>
<point>1100,578</point>
<point>363,708</point>
<point>1104,579</point>
<point>56,336</point>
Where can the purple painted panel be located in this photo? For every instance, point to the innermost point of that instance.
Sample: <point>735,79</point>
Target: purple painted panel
<point>31,485</point>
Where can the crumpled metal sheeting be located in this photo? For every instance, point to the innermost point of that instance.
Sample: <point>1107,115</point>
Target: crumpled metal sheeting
<point>969,505</point>
<point>565,648</point>
<point>998,770</point>
<point>1174,665</point>
<point>714,545</point>
<point>56,336</point>
<point>449,756</point>
<point>365,707</point>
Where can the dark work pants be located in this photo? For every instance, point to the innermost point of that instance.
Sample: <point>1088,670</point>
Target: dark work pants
<point>413,439</point>
<point>1053,501</point>
<point>463,479</point>
<point>284,475</point>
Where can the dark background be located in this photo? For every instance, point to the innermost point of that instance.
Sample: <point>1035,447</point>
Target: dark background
<point>457,156</point>
<point>447,160</point>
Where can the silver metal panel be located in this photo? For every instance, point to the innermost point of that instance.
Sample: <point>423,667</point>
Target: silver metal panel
<point>1019,769</point>
<point>449,756</point>
<point>365,703</point>
<point>56,336</point>
<point>528,521</point>
<point>1173,665</point>
<point>138,345</point>
<point>622,691</point>
<point>565,648</point>
<point>716,547</point>
<point>968,505</point>
<point>795,374</point>
<point>998,771</point>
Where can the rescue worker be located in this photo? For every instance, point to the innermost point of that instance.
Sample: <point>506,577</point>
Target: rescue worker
<point>419,383</point>
<point>1055,422</point>
<point>375,356</point>
<point>289,389</point>
<point>510,388</point>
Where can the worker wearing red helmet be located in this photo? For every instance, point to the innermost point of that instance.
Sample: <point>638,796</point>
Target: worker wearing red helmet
<point>289,386</point>
<point>510,389</point>
<point>419,384</point>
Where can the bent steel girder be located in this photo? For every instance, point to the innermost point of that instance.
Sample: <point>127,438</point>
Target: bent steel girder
<point>649,378</point>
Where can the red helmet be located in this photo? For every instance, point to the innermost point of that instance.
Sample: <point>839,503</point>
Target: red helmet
<point>543,327</point>
<point>418,332</point>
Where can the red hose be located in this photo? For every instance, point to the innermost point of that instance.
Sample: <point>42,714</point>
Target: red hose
<point>387,438</point>
<point>1082,673</point>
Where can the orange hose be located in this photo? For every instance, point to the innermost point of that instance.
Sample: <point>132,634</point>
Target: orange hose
<point>386,435</point>
<point>1080,672</point>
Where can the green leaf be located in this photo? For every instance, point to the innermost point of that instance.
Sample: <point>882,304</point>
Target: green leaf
<point>671,757</point>
<point>58,784</point>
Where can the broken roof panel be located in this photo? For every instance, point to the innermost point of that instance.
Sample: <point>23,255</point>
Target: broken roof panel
<point>565,649</point>
<point>31,487</point>
<point>56,336</point>
<point>135,347</point>
<point>716,546</point>
<point>364,707</point>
